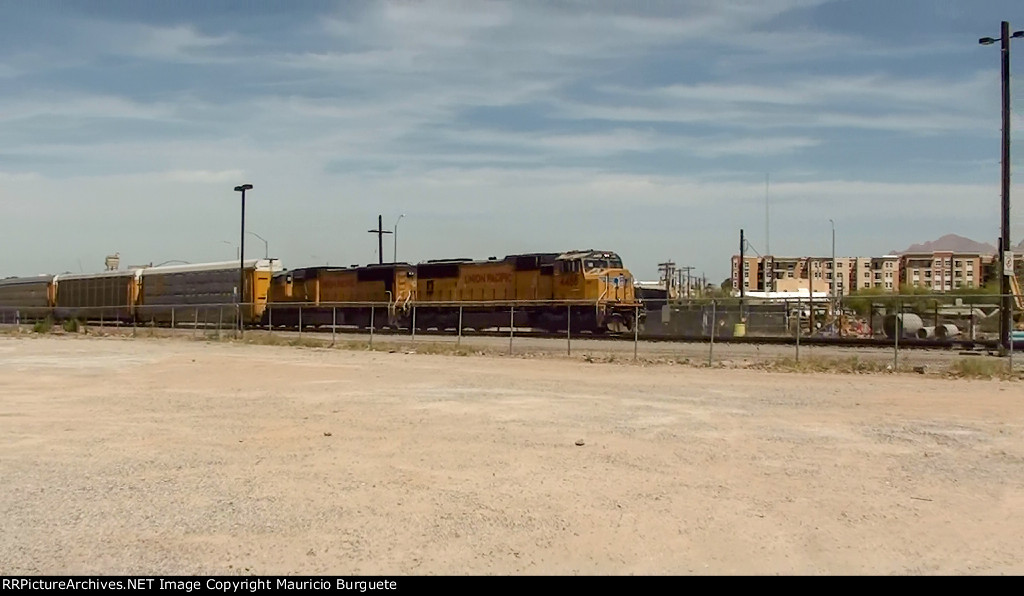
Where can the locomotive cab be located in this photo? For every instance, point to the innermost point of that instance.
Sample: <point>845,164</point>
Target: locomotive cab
<point>598,280</point>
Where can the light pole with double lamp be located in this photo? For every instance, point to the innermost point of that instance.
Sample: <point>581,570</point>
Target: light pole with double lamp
<point>1004,241</point>
<point>239,296</point>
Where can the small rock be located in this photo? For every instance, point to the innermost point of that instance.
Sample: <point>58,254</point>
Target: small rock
<point>327,434</point>
<point>579,442</point>
<point>919,370</point>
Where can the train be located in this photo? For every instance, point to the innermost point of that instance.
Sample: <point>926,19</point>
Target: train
<point>578,290</point>
<point>155,295</point>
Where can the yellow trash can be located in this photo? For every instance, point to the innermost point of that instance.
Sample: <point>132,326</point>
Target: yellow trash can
<point>739,330</point>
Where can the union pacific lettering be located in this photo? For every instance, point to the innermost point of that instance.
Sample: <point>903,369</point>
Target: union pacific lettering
<point>569,280</point>
<point>492,278</point>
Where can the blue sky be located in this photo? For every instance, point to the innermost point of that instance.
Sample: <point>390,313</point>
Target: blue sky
<point>647,128</point>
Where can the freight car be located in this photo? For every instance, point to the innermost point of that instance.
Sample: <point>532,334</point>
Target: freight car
<point>316,296</point>
<point>155,295</point>
<point>186,292</point>
<point>26,298</point>
<point>110,296</point>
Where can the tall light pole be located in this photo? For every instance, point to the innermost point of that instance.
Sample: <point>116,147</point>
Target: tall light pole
<point>834,278</point>
<point>241,257</point>
<point>1004,244</point>
<point>266,250</point>
<point>395,258</point>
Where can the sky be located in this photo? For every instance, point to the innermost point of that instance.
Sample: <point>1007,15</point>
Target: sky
<point>654,129</point>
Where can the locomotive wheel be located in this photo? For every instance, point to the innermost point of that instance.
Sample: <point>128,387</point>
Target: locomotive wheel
<point>617,325</point>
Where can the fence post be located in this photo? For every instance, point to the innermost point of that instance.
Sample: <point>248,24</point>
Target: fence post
<point>172,318</point>
<point>897,330</point>
<point>714,323</point>
<point>568,330</point>
<point>134,325</point>
<point>458,341</point>
<point>300,319</point>
<point>101,318</point>
<point>371,324</point>
<point>334,322</point>
<point>636,329</point>
<point>220,319</point>
<point>1011,338</point>
<point>511,326</point>
<point>799,327</point>
<point>195,323</point>
<point>413,322</point>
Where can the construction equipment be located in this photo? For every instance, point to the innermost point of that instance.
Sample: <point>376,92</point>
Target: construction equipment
<point>1018,297</point>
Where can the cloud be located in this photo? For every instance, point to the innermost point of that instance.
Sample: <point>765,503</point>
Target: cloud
<point>204,176</point>
<point>497,126</point>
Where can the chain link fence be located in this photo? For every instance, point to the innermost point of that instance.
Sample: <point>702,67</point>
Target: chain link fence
<point>914,330</point>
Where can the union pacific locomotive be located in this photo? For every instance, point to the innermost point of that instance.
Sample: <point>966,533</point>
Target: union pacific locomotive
<point>585,290</point>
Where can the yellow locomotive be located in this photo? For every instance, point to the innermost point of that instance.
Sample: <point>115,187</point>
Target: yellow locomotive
<point>316,296</point>
<point>585,290</point>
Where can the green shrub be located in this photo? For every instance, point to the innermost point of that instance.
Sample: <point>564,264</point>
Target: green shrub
<point>43,325</point>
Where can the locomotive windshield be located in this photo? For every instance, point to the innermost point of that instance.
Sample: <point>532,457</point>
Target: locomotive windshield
<point>611,262</point>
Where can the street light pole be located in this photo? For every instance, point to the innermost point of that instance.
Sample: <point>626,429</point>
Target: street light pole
<point>266,250</point>
<point>240,295</point>
<point>1004,244</point>
<point>395,258</point>
<point>835,280</point>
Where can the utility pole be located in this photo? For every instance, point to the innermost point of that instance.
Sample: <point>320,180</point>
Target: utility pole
<point>380,231</point>
<point>668,272</point>
<point>687,270</point>
<point>743,268</point>
<point>1004,245</point>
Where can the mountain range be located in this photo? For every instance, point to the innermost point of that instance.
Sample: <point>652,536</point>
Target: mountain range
<point>955,243</point>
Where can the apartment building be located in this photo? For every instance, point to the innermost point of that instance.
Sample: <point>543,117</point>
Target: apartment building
<point>752,276</point>
<point>791,274</point>
<point>944,271</point>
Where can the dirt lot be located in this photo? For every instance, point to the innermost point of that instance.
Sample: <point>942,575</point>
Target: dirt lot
<point>168,456</point>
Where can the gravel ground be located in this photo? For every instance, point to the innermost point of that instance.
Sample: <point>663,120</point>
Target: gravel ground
<point>169,456</point>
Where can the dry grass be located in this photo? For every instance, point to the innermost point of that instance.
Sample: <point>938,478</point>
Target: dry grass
<point>816,364</point>
<point>981,368</point>
<point>975,367</point>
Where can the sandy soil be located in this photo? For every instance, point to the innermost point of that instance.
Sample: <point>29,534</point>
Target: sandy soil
<point>168,456</point>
